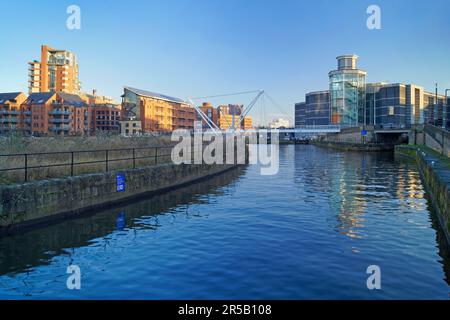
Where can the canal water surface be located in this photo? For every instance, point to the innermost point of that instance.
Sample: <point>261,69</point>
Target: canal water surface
<point>309,232</point>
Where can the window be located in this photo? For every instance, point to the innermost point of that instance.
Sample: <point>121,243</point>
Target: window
<point>391,111</point>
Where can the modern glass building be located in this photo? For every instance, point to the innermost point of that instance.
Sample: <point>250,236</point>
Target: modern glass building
<point>347,92</point>
<point>318,108</point>
<point>353,102</point>
<point>391,106</point>
<point>372,97</point>
<point>300,114</point>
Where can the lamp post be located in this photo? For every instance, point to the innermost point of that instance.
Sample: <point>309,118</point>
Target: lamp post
<point>444,122</point>
<point>436,108</point>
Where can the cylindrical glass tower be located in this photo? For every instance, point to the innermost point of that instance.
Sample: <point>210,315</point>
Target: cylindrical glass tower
<point>347,92</point>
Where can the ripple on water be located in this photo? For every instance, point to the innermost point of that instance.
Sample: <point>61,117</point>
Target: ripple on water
<point>309,232</point>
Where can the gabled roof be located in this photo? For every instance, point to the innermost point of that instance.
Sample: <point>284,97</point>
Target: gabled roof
<point>39,98</point>
<point>71,99</point>
<point>150,94</point>
<point>4,97</point>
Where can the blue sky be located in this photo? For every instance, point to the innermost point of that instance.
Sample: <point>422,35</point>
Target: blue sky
<point>191,48</point>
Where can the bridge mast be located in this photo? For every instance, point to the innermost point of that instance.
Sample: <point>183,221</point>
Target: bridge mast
<point>244,113</point>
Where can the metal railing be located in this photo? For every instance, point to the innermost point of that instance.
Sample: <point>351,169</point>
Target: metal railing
<point>59,112</point>
<point>72,164</point>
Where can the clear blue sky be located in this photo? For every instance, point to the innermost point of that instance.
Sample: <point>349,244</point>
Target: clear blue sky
<point>204,47</point>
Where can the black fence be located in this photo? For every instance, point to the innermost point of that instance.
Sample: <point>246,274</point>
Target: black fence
<point>29,161</point>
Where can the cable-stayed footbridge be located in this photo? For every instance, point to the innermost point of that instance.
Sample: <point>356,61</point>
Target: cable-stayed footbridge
<point>261,96</point>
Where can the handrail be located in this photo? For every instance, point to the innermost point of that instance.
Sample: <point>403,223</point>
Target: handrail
<point>72,164</point>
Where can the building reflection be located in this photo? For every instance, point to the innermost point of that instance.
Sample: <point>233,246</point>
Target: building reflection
<point>364,180</point>
<point>353,181</point>
<point>348,198</point>
<point>357,182</point>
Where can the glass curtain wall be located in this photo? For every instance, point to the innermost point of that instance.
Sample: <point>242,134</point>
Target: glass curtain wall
<point>131,105</point>
<point>347,91</point>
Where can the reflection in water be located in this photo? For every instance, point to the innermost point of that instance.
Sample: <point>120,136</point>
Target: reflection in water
<point>308,232</point>
<point>354,181</point>
<point>20,253</point>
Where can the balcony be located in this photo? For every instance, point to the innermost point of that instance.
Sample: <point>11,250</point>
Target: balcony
<point>59,112</point>
<point>27,112</point>
<point>60,128</point>
<point>8,127</point>
<point>9,120</point>
<point>60,120</point>
<point>58,61</point>
<point>12,112</point>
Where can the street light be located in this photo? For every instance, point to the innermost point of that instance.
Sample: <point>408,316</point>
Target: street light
<point>444,122</point>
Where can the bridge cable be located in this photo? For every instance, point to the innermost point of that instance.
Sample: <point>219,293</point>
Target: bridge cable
<point>227,94</point>
<point>283,112</point>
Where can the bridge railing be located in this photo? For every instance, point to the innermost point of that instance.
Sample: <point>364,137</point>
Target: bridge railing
<point>392,126</point>
<point>319,127</point>
<point>437,138</point>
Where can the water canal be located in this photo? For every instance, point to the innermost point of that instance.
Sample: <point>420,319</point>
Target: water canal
<point>308,232</point>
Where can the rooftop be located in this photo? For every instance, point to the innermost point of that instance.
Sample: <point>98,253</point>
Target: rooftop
<point>351,55</point>
<point>4,97</point>
<point>318,92</point>
<point>39,97</point>
<point>71,99</point>
<point>150,94</point>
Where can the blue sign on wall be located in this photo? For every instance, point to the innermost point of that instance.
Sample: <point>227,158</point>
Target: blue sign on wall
<point>120,182</point>
<point>364,133</point>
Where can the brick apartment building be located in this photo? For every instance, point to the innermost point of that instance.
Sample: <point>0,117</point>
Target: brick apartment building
<point>145,111</point>
<point>55,113</point>
<point>11,115</point>
<point>50,113</point>
<point>225,116</point>
<point>57,71</point>
<point>105,118</point>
